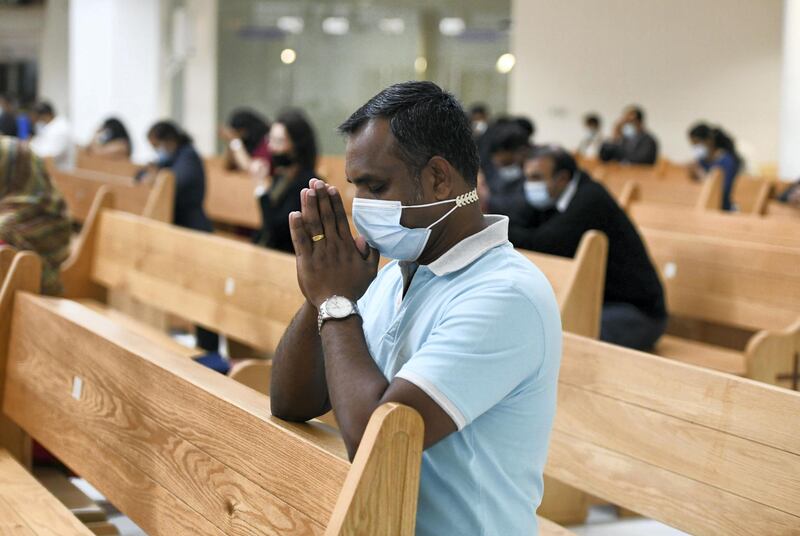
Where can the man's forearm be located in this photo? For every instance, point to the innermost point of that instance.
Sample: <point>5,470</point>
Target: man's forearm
<point>355,383</point>
<point>298,389</point>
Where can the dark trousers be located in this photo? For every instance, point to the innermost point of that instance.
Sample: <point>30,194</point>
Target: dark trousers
<point>207,340</point>
<point>626,325</point>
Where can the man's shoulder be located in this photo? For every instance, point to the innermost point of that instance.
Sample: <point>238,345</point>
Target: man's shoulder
<point>505,269</point>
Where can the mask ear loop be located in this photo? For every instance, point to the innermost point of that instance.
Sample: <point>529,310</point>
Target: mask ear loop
<point>461,201</point>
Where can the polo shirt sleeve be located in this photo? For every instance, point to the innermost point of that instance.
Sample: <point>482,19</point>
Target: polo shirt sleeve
<point>487,343</point>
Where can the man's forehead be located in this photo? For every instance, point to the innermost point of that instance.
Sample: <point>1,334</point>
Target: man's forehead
<point>371,150</point>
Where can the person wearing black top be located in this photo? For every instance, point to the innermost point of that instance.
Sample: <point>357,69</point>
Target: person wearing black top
<point>8,119</point>
<point>508,144</point>
<point>176,153</point>
<point>293,146</point>
<point>563,203</point>
<point>631,143</point>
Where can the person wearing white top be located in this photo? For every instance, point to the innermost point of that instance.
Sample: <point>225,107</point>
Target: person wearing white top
<point>592,140</point>
<point>52,138</point>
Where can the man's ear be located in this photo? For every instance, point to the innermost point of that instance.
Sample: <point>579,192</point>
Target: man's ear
<point>442,176</point>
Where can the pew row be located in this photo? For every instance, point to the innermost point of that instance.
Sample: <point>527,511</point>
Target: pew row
<point>183,450</point>
<point>725,225</point>
<point>229,193</point>
<point>745,285</point>
<point>107,166</point>
<point>251,293</point>
<point>152,200</point>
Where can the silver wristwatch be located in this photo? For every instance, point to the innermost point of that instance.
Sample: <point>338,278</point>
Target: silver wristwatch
<point>337,308</point>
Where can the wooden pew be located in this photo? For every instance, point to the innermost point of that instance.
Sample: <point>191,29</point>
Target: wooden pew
<point>27,508</point>
<point>705,196</point>
<point>782,211</point>
<point>733,283</point>
<point>578,283</point>
<point>247,292</point>
<point>701,451</point>
<point>105,166</point>
<point>182,450</point>
<point>152,200</point>
<point>237,289</point>
<point>727,225</point>
<point>229,194</point>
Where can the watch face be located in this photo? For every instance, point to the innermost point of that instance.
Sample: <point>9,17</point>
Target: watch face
<point>339,307</point>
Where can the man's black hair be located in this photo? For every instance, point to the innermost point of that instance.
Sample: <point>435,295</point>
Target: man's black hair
<point>562,159</point>
<point>507,135</point>
<point>479,108</point>
<point>527,124</point>
<point>426,121</point>
<point>44,108</point>
<point>592,119</point>
<point>637,112</point>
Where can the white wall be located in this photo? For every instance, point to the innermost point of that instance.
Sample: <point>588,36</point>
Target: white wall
<point>54,56</point>
<point>200,76</point>
<point>790,102</point>
<point>682,60</point>
<point>115,67</point>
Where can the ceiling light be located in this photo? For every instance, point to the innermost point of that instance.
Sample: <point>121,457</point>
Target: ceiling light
<point>505,63</point>
<point>393,26</point>
<point>452,26</point>
<point>291,25</point>
<point>288,56</point>
<point>336,25</point>
<point>420,65</point>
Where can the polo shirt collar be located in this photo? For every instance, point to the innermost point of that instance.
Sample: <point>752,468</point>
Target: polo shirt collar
<point>569,192</point>
<point>473,247</point>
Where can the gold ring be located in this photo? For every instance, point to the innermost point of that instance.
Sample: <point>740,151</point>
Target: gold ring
<point>317,238</point>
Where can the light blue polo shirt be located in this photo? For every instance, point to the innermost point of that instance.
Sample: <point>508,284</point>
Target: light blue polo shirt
<point>479,331</point>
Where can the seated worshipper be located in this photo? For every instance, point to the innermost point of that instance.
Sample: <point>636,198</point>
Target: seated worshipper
<point>111,141</point>
<point>52,137</point>
<point>592,140</point>
<point>564,203</point>
<point>293,146</point>
<point>8,117</point>
<point>631,142</point>
<point>714,149</point>
<point>479,119</point>
<point>33,215</point>
<point>247,146</point>
<point>459,326</point>
<point>176,153</point>
<point>508,146</point>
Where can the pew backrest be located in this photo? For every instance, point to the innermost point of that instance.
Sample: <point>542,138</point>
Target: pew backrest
<point>243,291</point>
<point>578,283</point>
<point>752,286</point>
<point>229,196</point>
<point>781,211</point>
<point>22,274</point>
<point>152,199</point>
<point>106,166</point>
<point>181,449</point>
<point>729,225</point>
<point>702,451</point>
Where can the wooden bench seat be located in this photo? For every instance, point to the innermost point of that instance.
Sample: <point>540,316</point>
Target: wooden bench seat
<point>181,449</point>
<point>27,508</point>
<point>704,355</point>
<point>107,166</point>
<point>152,200</point>
<point>741,284</point>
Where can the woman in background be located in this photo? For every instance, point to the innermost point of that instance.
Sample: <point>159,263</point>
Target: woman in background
<point>293,145</point>
<point>714,149</point>
<point>111,141</point>
<point>176,153</point>
<point>33,215</point>
<point>247,146</point>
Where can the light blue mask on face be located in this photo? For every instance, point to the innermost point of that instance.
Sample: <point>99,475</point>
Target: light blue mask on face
<point>378,222</point>
<point>162,156</point>
<point>537,196</point>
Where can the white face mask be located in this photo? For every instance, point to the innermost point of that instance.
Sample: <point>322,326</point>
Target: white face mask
<point>39,126</point>
<point>628,130</point>
<point>699,151</point>
<point>378,222</point>
<point>537,196</point>
<point>479,127</point>
<point>510,173</point>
